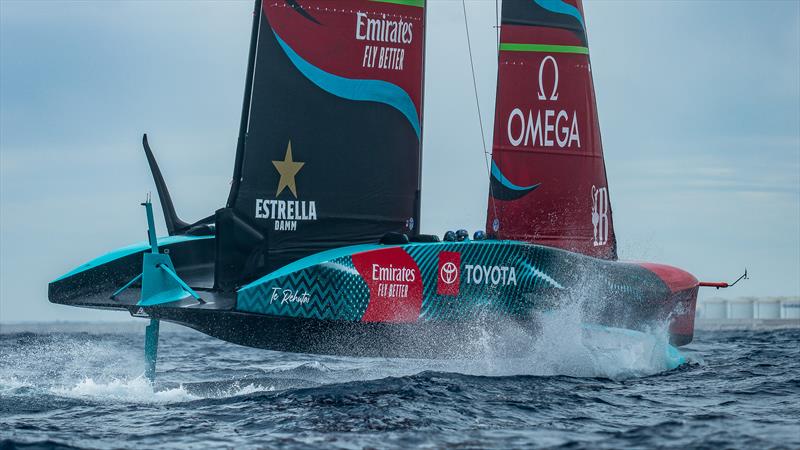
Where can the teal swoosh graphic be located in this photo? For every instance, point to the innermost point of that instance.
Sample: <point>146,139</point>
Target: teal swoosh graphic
<point>559,7</point>
<point>128,250</point>
<point>541,275</point>
<point>354,89</point>
<point>507,183</point>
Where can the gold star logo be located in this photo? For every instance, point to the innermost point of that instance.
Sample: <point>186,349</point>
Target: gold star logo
<point>288,169</point>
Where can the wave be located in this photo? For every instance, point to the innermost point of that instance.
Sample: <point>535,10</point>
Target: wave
<point>209,392</point>
<point>108,368</point>
<point>47,444</point>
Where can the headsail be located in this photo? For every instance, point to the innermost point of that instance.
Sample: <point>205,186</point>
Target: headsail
<point>548,177</point>
<point>333,139</point>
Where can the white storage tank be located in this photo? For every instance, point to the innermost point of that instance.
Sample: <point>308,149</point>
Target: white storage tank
<point>713,308</point>
<point>768,308</point>
<point>741,308</point>
<point>790,308</point>
<point>749,310</point>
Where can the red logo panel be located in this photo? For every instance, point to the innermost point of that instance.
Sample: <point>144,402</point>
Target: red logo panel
<point>449,276</point>
<point>338,40</point>
<point>395,285</point>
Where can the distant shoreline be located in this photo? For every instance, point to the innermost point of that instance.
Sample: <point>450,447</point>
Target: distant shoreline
<point>745,324</point>
<point>91,327</point>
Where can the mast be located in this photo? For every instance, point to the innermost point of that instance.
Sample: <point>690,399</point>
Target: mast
<point>417,226</point>
<point>245,119</point>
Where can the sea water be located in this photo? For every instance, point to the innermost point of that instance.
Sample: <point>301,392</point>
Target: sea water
<point>81,385</point>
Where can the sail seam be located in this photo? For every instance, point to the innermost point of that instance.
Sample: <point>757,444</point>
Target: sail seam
<point>543,48</point>
<point>417,3</point>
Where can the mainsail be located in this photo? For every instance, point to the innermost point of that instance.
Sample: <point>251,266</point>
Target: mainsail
<point>548,177</point>
<point>331,147</point>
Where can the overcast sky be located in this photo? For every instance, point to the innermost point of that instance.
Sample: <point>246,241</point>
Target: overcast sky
<point>699,107</point>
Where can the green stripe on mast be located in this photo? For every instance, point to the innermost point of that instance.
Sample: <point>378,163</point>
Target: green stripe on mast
<point>419,3</point>
<point>543,48</point>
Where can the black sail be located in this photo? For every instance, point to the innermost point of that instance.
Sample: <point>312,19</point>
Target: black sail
<point>331,150</point>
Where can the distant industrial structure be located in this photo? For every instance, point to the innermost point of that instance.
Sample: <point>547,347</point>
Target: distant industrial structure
<point>748,312</point>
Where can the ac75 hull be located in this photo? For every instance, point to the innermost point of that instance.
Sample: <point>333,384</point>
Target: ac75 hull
<point>414,300</point>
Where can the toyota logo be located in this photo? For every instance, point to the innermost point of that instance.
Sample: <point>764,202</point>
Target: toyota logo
<point>448,273</point>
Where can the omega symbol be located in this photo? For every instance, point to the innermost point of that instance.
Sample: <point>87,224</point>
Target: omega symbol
<point>554,92</point>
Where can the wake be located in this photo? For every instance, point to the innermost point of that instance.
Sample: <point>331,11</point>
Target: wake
<point>109,368</point>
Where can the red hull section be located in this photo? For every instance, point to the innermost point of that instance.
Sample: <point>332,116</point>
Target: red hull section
<point>684,287</point>
<point>395,285</point>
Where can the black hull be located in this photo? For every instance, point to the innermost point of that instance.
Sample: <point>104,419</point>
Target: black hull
<point>431,340</point>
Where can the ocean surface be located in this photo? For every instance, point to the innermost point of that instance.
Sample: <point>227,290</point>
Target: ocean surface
<point>81,386</point>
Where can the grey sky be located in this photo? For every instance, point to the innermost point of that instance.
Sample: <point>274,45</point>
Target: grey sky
<point>699,106</point>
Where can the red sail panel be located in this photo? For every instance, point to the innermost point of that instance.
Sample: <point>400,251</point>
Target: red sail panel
<point>356,40</point>
<point>548,177</point>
